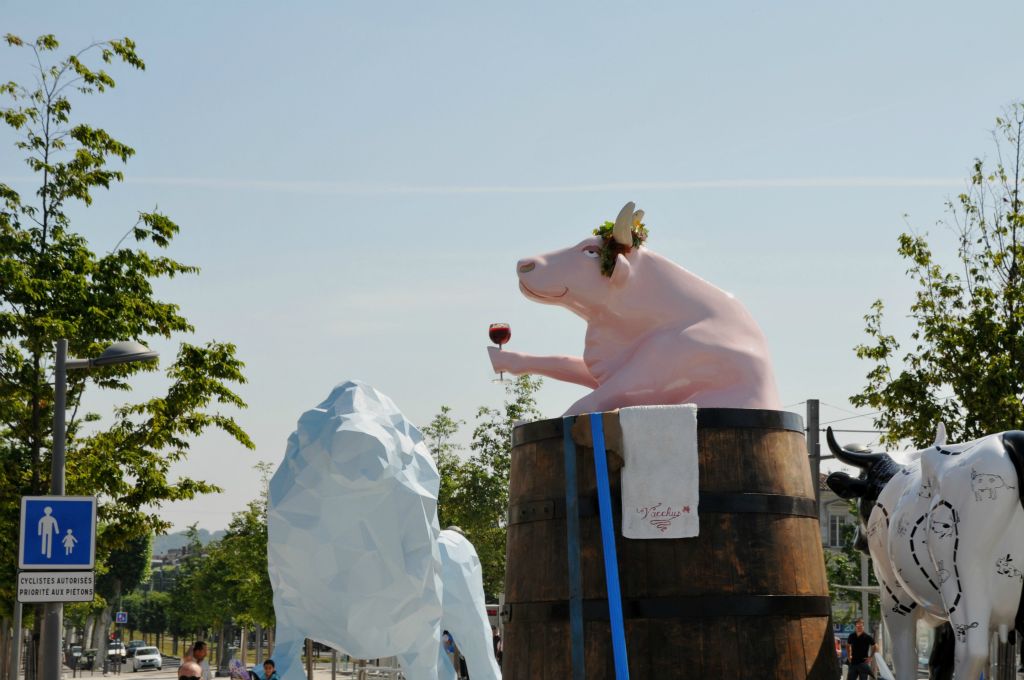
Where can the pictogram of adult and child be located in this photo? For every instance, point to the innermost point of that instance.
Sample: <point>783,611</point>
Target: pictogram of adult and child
<point>47,529</point>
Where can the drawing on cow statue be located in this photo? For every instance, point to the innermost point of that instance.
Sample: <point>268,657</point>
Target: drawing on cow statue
<point>1005,568</point>
<point>965,497</point>
<point>656,333</point>
<point>985,485</point>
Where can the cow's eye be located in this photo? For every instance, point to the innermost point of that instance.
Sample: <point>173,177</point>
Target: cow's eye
<point>592,251</point>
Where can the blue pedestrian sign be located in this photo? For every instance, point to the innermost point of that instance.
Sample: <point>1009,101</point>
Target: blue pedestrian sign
<point>121,617</point>
<point>57,531</point>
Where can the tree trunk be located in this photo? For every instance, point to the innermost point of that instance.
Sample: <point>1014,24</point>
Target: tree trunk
<point>271,635</point>
<point>4,655</point>
<point>243,643</point>
<point>101,631</point>
<point>259,646</point>
<point>226,637</point>
<point>90,623</point>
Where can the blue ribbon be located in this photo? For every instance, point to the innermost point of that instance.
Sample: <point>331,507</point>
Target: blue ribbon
<point>611,562</point>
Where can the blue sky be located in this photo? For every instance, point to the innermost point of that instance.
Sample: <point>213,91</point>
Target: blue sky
<point>357,180</point>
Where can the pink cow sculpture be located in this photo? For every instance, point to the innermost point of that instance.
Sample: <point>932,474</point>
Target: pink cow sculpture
<point>656,333</point>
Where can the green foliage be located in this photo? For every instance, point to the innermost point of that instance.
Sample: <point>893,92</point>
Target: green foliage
<point>474,492</point>
<point>186,615</point>
<point>966,364</point>
<point>125,568</point>
<point>843,568</point>
<point>53,285</point>
<point>610,247</point>
<point>227,581</point>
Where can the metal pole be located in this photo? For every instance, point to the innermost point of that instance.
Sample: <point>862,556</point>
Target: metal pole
<point>864,602</point>
<point>334,664</point>
<point>16,642</point>
<point>53,613</point>
<point>814,448</point>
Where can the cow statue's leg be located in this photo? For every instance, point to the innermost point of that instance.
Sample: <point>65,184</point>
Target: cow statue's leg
<point>701,371</point>
<point>288,644</point>
<point>965,531</point>
<point>902,627</point>
<point>445,669</point>
<point>421,663</point>
<point>464,610</point>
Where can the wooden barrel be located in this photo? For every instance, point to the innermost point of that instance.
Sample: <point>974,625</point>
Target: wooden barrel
<point>747,598</point>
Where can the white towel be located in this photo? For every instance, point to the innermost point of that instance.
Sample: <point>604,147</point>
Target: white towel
<point>660,473</point>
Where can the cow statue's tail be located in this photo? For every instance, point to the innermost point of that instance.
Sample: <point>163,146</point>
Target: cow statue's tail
<point>1013,442</point>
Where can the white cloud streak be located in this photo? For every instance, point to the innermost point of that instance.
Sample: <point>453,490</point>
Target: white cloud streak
<point>355,188</point>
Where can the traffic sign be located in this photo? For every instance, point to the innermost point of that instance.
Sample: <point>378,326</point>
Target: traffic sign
<point>121,617</point>
<point>56,586</point>
<point>57,532</point>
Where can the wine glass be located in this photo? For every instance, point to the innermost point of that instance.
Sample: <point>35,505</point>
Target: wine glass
<point>500,333</point>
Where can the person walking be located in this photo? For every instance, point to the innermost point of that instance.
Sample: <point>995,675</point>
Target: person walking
<point>496,642</point>
<point>860,649</point>
<point>199,651</point>
<point>448,645</point>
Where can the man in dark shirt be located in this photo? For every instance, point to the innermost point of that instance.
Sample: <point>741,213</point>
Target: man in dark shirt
<point>860,649</point>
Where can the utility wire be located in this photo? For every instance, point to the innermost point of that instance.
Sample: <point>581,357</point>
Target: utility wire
<point>863,415</point>
<point>838,408</point>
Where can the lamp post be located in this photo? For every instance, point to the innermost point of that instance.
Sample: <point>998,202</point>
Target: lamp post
<point>117,353</point>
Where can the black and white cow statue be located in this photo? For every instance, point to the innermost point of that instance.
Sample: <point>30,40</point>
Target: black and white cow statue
<point>946,537</point>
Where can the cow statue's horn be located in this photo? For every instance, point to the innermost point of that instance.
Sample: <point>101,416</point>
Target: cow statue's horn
<point>861,460</point>
<point>623,232</point>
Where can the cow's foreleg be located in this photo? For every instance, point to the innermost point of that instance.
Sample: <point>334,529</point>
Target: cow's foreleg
<point>564,368</point>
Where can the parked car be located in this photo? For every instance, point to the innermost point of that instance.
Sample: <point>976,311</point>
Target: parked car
<point>146,657</point>
<point>117,651</point>
<point>133,645</point>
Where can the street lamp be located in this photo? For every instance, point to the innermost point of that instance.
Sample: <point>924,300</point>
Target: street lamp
<point>117,353</point>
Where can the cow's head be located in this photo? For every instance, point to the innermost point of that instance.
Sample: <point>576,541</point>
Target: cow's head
<point>573,277</point>
<point>876,471</point>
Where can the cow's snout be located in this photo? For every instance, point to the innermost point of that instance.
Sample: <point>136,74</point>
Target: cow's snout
<point>525,266</point>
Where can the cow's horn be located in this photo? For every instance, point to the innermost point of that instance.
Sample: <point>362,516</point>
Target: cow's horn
<point>623,232</point>
<point>861,460</point>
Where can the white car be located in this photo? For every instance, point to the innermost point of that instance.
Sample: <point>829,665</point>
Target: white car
<point>146,657</point>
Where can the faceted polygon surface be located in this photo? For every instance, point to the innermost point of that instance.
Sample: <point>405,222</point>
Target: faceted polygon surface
<point>352,536</point>
<point>465,611</point>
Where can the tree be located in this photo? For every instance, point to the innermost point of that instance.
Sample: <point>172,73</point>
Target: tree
<point>474,492</point>
<point>843,568</point>
<point>152,617</point>
<point>53,285</point>
<point>966,364</point>
<point>185,615</point>
<point>243,553</point>
<point>124,569</point>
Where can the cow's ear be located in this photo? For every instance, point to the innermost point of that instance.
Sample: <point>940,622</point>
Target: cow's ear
<point>846,486</point>
<point>621,272</point>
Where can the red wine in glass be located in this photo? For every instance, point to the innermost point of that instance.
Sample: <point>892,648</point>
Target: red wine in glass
<point>500,333</point>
